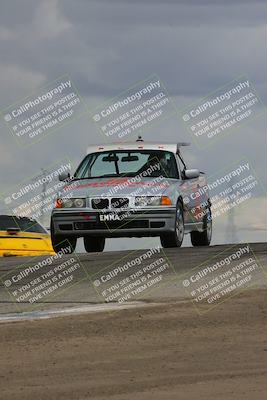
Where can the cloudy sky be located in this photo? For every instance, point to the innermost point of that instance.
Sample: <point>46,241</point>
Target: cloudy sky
<point>106,46</point>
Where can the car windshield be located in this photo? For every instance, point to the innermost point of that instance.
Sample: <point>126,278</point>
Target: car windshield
<point>120,163</point>
<point>23,223</point>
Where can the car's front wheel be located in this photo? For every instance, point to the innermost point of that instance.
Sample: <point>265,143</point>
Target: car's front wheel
<point>203,238</point>
<point>94,244</point>
<point>175,238</point>
<point>61,243</point>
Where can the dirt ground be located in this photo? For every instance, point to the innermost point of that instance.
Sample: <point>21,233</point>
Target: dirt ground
<point>165,352</point>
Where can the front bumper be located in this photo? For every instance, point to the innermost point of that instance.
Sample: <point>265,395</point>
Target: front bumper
<point>126,223</point>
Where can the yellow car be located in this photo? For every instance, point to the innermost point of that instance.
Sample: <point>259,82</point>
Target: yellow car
<point>21,236</point>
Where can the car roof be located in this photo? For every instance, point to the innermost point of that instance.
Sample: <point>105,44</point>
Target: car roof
<point>138,145</point>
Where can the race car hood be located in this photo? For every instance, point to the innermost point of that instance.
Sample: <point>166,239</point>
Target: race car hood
<point>113,187</point>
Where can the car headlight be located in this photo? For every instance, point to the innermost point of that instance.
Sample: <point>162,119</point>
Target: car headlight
<point>79,203</point>
<point>142,201</point>
<point>70,203</point>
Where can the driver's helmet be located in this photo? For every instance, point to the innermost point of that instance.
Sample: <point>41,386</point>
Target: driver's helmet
<point>158,158</point>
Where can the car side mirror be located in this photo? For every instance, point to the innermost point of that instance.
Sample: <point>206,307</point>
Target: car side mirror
<point>64,176</point>
<point>191,173</point>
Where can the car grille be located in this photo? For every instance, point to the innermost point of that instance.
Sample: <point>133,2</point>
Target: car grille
<point>100,204</point>
<point>115,202</point>
<point>119,202</point>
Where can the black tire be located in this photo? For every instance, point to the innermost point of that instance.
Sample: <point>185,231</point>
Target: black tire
<point>203,238</point>
<point>94,244</point>
<point>67,244</point>
<point>175,239</point>
<point>63,244</point>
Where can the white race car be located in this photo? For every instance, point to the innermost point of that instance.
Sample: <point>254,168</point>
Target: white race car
<point>133,189</point>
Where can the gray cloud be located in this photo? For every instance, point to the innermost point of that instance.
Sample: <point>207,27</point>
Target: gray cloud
<point>106,46</point>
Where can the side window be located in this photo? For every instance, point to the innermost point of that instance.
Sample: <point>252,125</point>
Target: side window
<point>172,170</point>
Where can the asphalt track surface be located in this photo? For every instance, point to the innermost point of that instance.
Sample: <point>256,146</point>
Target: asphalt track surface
<point>94,281</point>
<point>161,344</point>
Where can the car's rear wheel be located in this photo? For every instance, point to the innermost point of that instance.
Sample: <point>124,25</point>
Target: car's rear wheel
<point>61,243</point>
<point>175,239</point>
<point>94,244</point>
<point>203,238</point>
